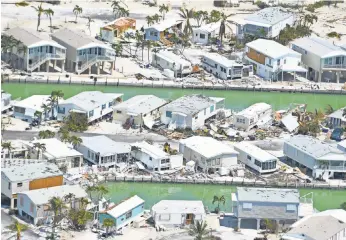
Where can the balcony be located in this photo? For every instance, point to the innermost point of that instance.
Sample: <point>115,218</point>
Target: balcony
<point>88,57</point>
<point>335,66</point>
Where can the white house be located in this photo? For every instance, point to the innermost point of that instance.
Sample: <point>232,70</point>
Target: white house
<point>256,158</point>
<point>266,23</point>
<point>326,225</point>
<point>256,115</point>
<point>26,108</point>
<point>177,213</point>
<point>19,150</point>
<point>56,152</point>
<point>316,158</point>
<point>208,153</point>
<point>168,60</point>
<point>140,109</point>
<point>5,101</point>
<point>190,111</point>
<point>221,66</point>
<point>103,151</point>
<point>203,34</point>
<point>34,205</point>
<point>17,179</point>
<point>337,119</point>
<point>94,104</point>
<point>323,59</point>
<point>271,59</point>
<point>153,158</point>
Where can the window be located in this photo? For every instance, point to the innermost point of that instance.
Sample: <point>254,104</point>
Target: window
<point>248,157</point>
<point>9,186</point>
<point>291,208</point>
<point>31,207</point>
<point>258,163</point>
<point>19,184</point>
<point>21,201</point>
<point>110,104</point>
<point>128,214</point>
<point>103,106</point>
<point>196,117</point>
<point>164,161</point>
<point>19,110</point>
<point>212,108</point>
<point>269,61</point>
<point>202,36</point>
<point>61,110</point>
<point>215,65</point>
<point>89,154</point>
<point>168,114</point>
<point>247,206</point>
<point>284,61</point>
<point>150,158</point>
<point>165,217</point>
<point>91,113</point>
<point>118,111</point>
<point>338,60</point>
<point>278,62</point>
<point>217,161</point>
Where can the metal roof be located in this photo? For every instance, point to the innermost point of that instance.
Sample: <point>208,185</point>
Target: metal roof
<point>105,146</point>
<point>169,56</point>
<point>153,151</point>
<point>125,206</point>
<point>140,104</point>
<point>274,195</point>
<point>120,22</point>
<point>208,28</point>
<point>254,110</point>
<point>165,24</point>
<point>270,16</point>
<point>256,152</point>
<point>271,48</point>
<point>221,60</point>
<point>338,114</point>
<point>33,102</point>
<point>31,171</point>
<point>178,206</point>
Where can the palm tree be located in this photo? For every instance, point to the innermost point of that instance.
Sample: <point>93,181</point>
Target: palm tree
<point>156,18</point>
<point>77,10</point>
<point>118,48</point>
<point>89,24</point>
<point>8,146</point>
<point>40,148</point>
<point>39,11</point>
<point>46,109</point>
<point>200,16</point>
<point>53,100</point>
<point>90,190</point>
<point>215,16</point>
<point>64,134</point>
<point>222,30</point>
<point>344,112</point>
<point>46,134</point>
<point>59,94</point>
<point>56,205</point>
<point>38,116</point>
<point>187,15</point>
<point>75,141</point>
<point>309,19</point>
<point>18,228</point>
<point>69,198</point>
<point>21,4</point>
<point>149,44</point>
<point>199,230</point>
<point>49,13</point>
<point>219,200</point>
<point>150,20</point>
<point>108,223</point>
<point>102,190</point>
<point>163,9</point>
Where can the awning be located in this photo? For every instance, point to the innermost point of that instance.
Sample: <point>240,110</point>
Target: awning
<point>77,111</point>
<point>132,114</point>
<point>293,68</point>
<point>140,165</point>
<point>178,113</point>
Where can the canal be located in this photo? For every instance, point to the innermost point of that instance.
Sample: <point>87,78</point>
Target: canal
<point>235,100</point>
<point>154,192</point>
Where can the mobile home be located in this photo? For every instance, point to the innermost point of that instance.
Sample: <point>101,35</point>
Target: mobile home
<point>255,115</point>
<point>169,60</point>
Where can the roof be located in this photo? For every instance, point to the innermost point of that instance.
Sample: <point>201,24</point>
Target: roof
<point>77,39</point>
<point>338,114</point>
<point>165,24</point>
<point>319,46</point>
<point>342,144</point>
<point>56,149</point>
<point>105,146</point>
<point>316,148</point>
<point>271,48</point>
<point>269,16</point>
<point>178,206</point>
<point>254,110</point>
<point>208,28</point>
<point>221,60</point>
<point>207,146</point>
<point>276,195</point>
<point>321,226</point>
<point>33,102</point>
<point>90,100</point>
<point>120,22</point>
<point>191,104</point>
<point>43,195</point>
<point>254,151</point>
<point>125,206</point>
<point>151,150</point>
<point>31,171</point>
<point>290,122</point>
<point>171,57</point>
<point>140,104</point>
<point>31,38</point>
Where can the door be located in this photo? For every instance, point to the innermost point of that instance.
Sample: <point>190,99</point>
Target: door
<point>189,218</point>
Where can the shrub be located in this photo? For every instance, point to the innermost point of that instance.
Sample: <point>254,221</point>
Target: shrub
<point>261,5</point>
<point>334,35</point>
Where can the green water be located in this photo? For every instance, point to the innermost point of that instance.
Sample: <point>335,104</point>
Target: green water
<point>234,99</point>
<point>154,192</point>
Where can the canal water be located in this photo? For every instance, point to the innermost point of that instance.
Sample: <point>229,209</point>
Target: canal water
<point>235,100</point>
<point>154,192</point>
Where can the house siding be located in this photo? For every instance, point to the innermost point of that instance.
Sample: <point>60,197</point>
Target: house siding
<point>175,219</point>
<point>255,56</point>
<point>46,182</point>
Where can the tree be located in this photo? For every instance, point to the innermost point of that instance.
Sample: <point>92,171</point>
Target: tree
<point>200,16</point>
<point>149,44</point>
<point>64,134</point>
<point>108,223</point>
<point>328,109</point>
<point>52,100</point>
<point>21,4</point>
<point>77,10</point>
<point>343,206</point>
<point>49,13</point>
<point>79,218</point>
<point>150,20</point>
<point>56,205</point>
<point>18,228</point>
<point>215,16</point>
<point>344,112</point>
<point>38,116</point>
<point>156,18</point>
<point>75,122</point>
<point>75,141</point>
<point>199,230</point>
<point>219,200</point>
<point>39,10</point>
<point>46,108</point>
<point>118,48</point>
<point>69,198</point>
<point>90,190</point>
<point>40,148</point>
<point>222,30</point>
<point>89,24</point>
<point>309,19</point>
<point>102,190</point>
<point>46,134</point>
<point>8,146</point>
<point>163,9</point>
<point>186,15</point>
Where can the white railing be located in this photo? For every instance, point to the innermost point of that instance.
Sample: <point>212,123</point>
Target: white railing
<point>342,66</point>
<point>90,59</point>
<point>88,63</point>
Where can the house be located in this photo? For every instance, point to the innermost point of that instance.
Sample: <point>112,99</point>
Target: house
<point>103,151</point>
<point>157,32</point>
<point>56,152</point>
<point>34,52</point>
<point>153,158</point>
<point>203,34</point>
<point>19,150</point>
<point>17,162</point>
<point>5,101</point>
<point>94,104</point>
<point>326,225</point>
<point>252,206</point>
<point>28,177</point>
<point>177,213</point>
<point>337,119</point>
<point>266,23</point>
<point>117,28</point>
<point>168,60</point>
<point>31,109</point>
<point>221,66</point>
<point>208,153</point>
<point>256,158</point>
<point>84,52</point>
<point>190,111</point>
<point>257,114</point>
<point>342,146</point>
<point>139,110</point>
<point>315,158</point>
<point>34,205</point>
<point>271,59</point>
<point>323,59</point>
<point>124,213</point>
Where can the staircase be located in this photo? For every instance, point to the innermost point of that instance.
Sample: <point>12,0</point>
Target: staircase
<point>91,61</point>
<point>43,58</point>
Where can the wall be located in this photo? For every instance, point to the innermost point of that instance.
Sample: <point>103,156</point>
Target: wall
<point>299,156</point>
<point>203,41</point>
<point>71,52</point>
<point>176,161</point>
<point>68,107</point>
<point>281,25</point>
<point>308,58</point>
<point>14,189</point>
<point>175,219</point>
<point>46,182</point>
<point>28,207</point>
<point>144,158</point>
<point>202,116</point>
<point>257,57</point>
<point>153,38</point>
<point>107,35</point>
